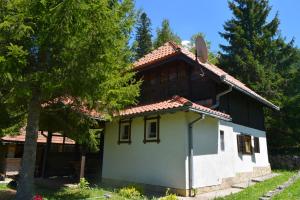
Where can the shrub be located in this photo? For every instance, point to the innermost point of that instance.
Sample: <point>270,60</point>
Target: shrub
<point>131,192</point>
<point>169,196</point>
<point>83,184</point>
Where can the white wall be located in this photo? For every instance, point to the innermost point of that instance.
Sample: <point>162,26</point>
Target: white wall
<point>211,164</point>
<point>245,163</point>
<point>151,163</point>
<point>206,159</point>
<point>166,163</point>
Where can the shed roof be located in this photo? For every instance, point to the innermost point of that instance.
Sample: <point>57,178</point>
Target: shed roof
<point>57,138</point>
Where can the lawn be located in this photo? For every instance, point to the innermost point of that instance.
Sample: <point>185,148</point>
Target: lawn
<point>76,194</point>
<point>64,193</point>
<point>251,193</point>
<point>259,189</point>
<point>92,193</point>
<point>290,193</point>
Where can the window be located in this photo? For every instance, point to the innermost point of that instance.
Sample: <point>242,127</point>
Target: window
<point>124,131</point>
<point>151,129</point>
<point>244,144</point>
<point>256,145</point>
<point>222,142</point>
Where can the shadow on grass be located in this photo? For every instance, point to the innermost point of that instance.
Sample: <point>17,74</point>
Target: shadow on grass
<point>63,194</point>
<point>7,194</point>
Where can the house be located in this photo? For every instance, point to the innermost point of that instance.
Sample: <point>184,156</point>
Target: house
<point>195,128</point>
<point>11,152</point>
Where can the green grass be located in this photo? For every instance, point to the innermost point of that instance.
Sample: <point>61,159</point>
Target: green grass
<point>3,187</point>
<point>75,193</point>
<point>95,193</point>
<point>259,189</point>
<point>290,193</point>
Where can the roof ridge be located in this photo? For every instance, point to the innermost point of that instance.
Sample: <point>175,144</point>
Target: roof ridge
<point>175,46</point>
<point>181,100</point>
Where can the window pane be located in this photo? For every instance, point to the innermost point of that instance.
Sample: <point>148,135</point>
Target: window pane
<point>152,130</point>
<point>247,144</point>
<point>222,140</point>
<point>125,132</point>
<point>256,145</point>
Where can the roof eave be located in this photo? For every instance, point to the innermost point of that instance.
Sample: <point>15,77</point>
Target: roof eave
<point>210,114</point>
<point>171,110</point>
<point>267,103</point>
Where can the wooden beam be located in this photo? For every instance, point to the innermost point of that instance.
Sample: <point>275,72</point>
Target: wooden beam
<point>82,166</point>
<point>63,145</point>
<point>45,156</point>
<point>101,152</point>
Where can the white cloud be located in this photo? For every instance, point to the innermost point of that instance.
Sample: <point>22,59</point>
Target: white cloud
<point>186,44</point>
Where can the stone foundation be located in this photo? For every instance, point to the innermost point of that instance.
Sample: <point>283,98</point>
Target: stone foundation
<point>161,190</point>
<point>239,178</point>
<point>148,189</point>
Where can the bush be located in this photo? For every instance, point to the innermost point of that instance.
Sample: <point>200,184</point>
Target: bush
<point>169,196</point>
<point>131,192</point>
<point>83,184</point>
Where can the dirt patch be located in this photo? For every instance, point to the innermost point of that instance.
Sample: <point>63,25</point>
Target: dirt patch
<point>7,194</point>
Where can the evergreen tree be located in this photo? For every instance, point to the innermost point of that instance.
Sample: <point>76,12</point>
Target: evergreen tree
<point>260,57</point>
<point>143,36</point>
<point>165,34</point>
<point>51,49</point>
<point>256,53</point>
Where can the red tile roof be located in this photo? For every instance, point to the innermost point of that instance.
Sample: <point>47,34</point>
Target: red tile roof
<point>75,105</point>
<point>56,138</point>
<point>175,102</point>
<point>170,49</point>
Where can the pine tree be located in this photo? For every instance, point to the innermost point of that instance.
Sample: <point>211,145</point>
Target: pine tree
<point>260,57</point>
<point>256,53</point>
<point>52,49</point>
<point>165,34</point>
<point>143,36</point>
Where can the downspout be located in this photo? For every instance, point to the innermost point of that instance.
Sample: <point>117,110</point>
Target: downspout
<point>217,104</point>
<point>191,153</point>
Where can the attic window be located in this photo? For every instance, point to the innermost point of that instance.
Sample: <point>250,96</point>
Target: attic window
<point>124,131</point>
<point>244,144</point>
<point>151,129</point>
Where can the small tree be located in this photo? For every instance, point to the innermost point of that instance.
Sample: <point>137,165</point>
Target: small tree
<point>51,49</point>
<point>165,34</point>
<point>143,36</point>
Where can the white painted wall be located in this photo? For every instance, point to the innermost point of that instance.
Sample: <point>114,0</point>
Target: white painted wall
<point>211,164</point>
<point>151,163</point>
<point>166,163</point>
<point>245,163</point>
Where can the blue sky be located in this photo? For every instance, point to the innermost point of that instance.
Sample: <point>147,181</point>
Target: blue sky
<point>208,16</point>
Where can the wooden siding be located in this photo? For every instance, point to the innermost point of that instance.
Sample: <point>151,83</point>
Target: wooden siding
<point>243,110</point>
<point>175,78</point>
<point>183,78</point>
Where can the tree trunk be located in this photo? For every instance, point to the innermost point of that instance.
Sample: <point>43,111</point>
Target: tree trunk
<point>25,187</point>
